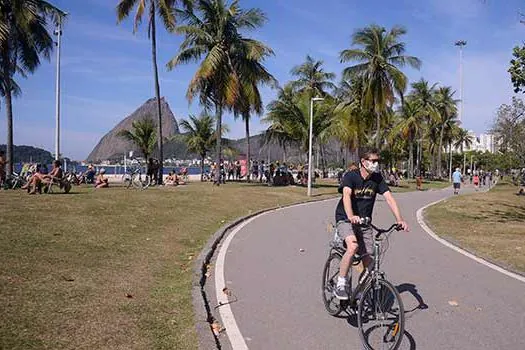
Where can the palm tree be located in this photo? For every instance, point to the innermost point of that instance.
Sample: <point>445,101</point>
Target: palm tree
<point>252,73</point>
<point>312,78</point>
<point>289,118</point>
<point>446,112</point>
<point>463,139</point>
<point>350,120</point>
<point>166,10</point>
<point>24,39</point>
<point>408,127</point>
<point>212,36</point>
<point>200,136</point>
<point>143,135</point>
<point>380,55</point>
<point>423,94</point>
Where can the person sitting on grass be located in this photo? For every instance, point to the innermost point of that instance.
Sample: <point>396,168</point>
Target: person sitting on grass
<point>90,174</point>
<point>171,179</point>
<point>101,181</point>
<point>39,178</point>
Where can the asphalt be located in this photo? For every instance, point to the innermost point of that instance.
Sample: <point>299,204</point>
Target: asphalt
<point>274,265</point>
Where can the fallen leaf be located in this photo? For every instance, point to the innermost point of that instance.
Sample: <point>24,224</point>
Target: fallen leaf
<point>129,296</point>
<point>190,257</point>
<point>453,303</point>
<point>69,279</point>
<point>301,250</point>
<point>226,291</point>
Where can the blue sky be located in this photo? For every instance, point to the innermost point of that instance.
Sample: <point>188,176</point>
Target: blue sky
<point>106,70</point>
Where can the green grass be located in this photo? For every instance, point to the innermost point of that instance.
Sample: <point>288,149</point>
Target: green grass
<point>112,268</point>
<point>491,224</point>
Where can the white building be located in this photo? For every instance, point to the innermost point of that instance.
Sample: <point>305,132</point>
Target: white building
<point>481,142</point>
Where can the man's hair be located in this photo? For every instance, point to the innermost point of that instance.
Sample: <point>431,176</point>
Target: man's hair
<point>57,163</point>
<point>2,152</point>
<point>366,152</point>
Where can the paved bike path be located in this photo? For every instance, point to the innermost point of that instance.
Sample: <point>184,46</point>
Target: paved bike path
<point>278,286</point>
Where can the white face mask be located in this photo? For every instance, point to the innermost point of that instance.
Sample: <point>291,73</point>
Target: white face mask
<point>371,167</point>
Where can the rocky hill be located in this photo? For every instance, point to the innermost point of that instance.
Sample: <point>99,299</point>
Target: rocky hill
<point>112,147</point>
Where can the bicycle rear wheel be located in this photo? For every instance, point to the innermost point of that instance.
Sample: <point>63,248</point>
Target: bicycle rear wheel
<point>381,316</point>
<point>330,273</point>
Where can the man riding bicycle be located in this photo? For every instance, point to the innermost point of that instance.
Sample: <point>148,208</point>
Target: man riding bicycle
<point>359,188</point>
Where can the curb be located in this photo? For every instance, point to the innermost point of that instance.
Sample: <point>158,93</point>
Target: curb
<point>428,230</point>
<point>203,315</point>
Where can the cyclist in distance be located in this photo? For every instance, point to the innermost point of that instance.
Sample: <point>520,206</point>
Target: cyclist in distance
<point>359,188</point>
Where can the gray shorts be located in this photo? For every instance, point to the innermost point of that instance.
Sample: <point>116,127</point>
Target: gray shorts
<point>363,234</point>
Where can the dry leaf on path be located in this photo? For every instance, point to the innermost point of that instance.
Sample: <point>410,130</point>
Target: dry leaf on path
<point>453,303</point>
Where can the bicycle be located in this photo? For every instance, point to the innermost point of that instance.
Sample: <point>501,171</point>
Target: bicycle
<point>374,298</point>
<point>135,178</point>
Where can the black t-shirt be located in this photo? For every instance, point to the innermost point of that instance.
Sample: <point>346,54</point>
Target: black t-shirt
<point>363,194</point>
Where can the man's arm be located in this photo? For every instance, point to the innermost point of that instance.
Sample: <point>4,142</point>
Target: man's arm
<point>395,209</point>
<point>347,203</point>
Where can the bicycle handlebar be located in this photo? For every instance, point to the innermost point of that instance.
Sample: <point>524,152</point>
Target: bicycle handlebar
<point>368,222</point>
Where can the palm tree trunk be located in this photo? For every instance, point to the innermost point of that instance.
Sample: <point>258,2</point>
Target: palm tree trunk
<point>247,124</point>
<point>202,168</point>
<point>218,135</point>
<point>6,82</point>
<point>411,158</point>
<point>323,161</point>
<point>157,91</point>
<point>9,145</point>
<point>440,151</point>
<point>378,129</point>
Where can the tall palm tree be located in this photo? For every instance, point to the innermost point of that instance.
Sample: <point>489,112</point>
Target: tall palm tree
<point>311,77</point>
<point>213,38</point>
<point>252,73</point>
<point>151,8</point>
<point>200,136</point>
<point>423,93</point>
<point>463,139</point>
<point>379,54</point>
<point>446,112</point>
<point>408,127</point>
<point>24,39</point>
<point>350,120</point>
<point>143,134</point>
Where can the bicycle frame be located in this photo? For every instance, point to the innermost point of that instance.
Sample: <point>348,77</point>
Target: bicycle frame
<point>368,274</point>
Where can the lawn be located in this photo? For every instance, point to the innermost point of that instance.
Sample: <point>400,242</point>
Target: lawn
<point>490,224</point>
<point>112,268</point>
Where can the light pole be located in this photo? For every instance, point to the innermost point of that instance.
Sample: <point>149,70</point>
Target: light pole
<point>58,33</point>
<point>312,100</point>
<point>460,44</point>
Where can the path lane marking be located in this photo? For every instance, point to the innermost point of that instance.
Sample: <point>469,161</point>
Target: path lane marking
<point>421,222</point>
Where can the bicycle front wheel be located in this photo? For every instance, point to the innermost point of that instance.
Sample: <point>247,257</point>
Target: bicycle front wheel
<point>330,273</point>
<point>381,316</point>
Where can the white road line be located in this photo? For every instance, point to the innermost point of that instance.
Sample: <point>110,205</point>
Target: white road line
<point>419,215</point>
<point>225,311</point>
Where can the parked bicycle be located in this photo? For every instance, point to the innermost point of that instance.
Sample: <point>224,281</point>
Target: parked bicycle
<point>134,177</point>
<point>374,300</point>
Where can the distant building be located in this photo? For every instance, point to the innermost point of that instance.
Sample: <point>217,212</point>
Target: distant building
<point>481,142</point>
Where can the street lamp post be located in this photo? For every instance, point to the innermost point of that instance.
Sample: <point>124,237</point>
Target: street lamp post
<point>461,44</point>
<point>58,33</point>
<point>312,100</point>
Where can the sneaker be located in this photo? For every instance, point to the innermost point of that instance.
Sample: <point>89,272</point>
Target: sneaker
<point>341,293</point>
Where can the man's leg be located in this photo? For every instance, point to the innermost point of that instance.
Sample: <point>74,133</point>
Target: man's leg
<point>345,232</point>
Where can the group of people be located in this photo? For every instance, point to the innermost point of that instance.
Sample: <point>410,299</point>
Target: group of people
<point>272,173</point>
